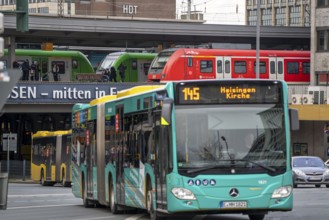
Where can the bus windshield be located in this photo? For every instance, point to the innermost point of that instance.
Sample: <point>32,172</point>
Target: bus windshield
<point>222,136</point>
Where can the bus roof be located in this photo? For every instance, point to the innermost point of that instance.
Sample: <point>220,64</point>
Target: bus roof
<point>50,133</point>
<point>137,90</point>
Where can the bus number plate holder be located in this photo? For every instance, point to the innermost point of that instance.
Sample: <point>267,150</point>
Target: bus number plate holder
<point>233,204</point>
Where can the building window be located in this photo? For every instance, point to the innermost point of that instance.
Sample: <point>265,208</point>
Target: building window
<point>295,18</point>
<point>323,3</point>
<point>323,40</point>
<point>252,18</point>
<point>267,17</point>
<point>280,16</point>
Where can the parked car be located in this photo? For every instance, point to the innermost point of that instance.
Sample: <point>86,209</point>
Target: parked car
<point>327,163</point>
<point>309,170</point>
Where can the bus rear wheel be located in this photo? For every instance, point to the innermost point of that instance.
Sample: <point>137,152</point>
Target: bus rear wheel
<point>113,205</point>
<point>256,216</point>
<point>86,202</point>
<point>64,182</point>
<point>63,179</point>
<point>42,178</point>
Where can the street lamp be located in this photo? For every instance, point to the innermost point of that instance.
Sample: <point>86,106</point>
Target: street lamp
<point>257,38</point>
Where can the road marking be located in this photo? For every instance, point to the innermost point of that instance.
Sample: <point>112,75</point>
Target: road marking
<point>40,206</point>
<point>135,217</point>
<point>106,217</point>
<point>39,195</point>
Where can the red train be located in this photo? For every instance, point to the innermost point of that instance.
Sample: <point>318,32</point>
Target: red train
<point>185,64</point>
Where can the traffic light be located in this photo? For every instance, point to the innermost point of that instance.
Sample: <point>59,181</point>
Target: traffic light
<point>22,15</point>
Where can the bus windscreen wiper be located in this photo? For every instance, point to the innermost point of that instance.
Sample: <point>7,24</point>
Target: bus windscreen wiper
<point>231,160</point>
<point>258,164</point>
<point>204,168</point>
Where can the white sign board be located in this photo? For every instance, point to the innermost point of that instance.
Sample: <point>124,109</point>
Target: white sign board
<point>9,140</point>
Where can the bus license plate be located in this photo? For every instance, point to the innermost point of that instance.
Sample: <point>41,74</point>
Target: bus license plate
<point>233,204</point>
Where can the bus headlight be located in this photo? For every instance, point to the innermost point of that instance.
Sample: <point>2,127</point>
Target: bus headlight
<point>282,192</point>
<point>182,193</point>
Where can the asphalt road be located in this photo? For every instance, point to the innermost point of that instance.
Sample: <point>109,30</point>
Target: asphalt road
<point>34,202</point>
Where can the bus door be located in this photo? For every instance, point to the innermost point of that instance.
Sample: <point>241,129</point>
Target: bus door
<point>164,163</point>
<point>276,68</point>
<point>50,161</point>
<point>58,157</point>
<point>90,160</point>
<point>119,128</point>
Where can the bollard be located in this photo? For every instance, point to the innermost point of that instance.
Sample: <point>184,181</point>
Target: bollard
<point>3,190</point>
<point>23,170</point>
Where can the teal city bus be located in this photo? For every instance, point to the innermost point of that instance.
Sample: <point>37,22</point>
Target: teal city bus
<point>186,148</point>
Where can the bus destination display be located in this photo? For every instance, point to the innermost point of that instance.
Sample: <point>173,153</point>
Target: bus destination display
<point>230,93</point>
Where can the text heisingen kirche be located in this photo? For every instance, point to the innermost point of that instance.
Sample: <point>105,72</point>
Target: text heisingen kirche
<point>237,92</point>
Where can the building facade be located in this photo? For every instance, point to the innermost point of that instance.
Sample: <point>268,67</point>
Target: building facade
<point>279,12</point>
<point>320,41</point>
<point>155,9</point>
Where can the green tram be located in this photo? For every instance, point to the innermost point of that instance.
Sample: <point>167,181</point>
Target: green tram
<point>137,65</point>
<point>68,64</point>
<point>186,148</point>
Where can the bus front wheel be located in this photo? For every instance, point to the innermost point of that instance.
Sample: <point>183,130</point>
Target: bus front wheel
<point>256,217</point>
<point>113,205</point>
<point>149,204</point>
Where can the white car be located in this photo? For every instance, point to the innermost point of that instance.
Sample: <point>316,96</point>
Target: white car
<point>327,163</point>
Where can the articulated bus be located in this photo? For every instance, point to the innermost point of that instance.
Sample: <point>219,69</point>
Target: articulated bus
<point>137,65</point>
<point>186,148</point>
<point>69,63</point>
<point>189,64</point>
<point>51,157</point>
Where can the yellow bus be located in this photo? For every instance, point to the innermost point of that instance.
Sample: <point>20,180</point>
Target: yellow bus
<point>51,157</point>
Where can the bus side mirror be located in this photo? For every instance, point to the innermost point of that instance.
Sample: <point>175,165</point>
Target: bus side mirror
<point>294,121</point>
<point>166,112</point>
